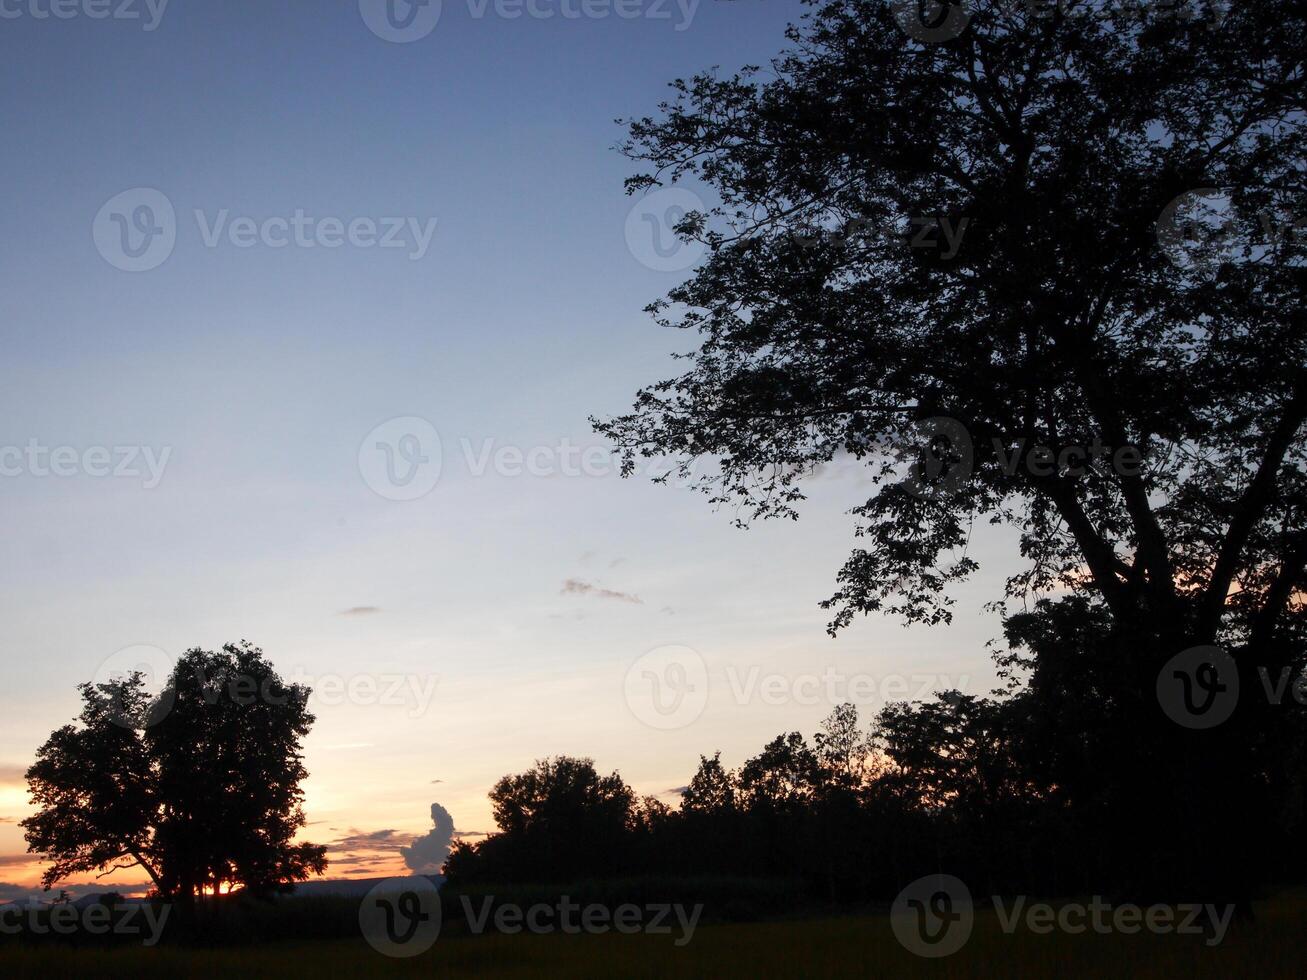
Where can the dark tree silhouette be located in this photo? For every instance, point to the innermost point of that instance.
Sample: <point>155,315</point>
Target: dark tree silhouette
<point>96,788</point>
<point>844,751</point>
<point>712,789</point>
<point>1005,792</point>
<point>200,786</point>
<point>1060,290</point>
<point>560,818</point>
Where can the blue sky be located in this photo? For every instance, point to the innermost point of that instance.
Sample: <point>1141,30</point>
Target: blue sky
<point>261,370</point>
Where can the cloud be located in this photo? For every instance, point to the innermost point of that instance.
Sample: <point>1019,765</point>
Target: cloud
<point>427,853</point>
<point>12,860</point>
<point>574,586</point>
<point>365,851</point>
<point>678,790</point>
<point>361,611</point>
<point>363,840</point>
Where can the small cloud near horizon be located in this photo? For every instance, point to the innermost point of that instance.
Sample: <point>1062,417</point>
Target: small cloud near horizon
<point>574,586</point>
<point>361,611</point>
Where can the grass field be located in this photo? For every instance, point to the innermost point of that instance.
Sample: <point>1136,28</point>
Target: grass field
<point>1274,945</point>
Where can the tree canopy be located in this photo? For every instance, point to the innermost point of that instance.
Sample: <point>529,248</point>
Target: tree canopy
<point>199,786</point>
<point>968,231</point>
<point>1052,256</point>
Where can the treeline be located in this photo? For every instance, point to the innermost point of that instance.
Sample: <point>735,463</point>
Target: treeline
<point>852,813</point>
<point>1041,789</point>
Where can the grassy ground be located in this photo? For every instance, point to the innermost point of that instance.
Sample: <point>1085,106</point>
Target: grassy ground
<point>1275,945</point>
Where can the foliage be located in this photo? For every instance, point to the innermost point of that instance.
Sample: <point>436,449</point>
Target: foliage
<point>1058,136</point>
<point>1057,260</point>
<point>200,787</point>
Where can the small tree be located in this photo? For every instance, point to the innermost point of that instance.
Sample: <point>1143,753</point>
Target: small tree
<point>200,787</point>
<point>713,789</point>
<point>844,751</point>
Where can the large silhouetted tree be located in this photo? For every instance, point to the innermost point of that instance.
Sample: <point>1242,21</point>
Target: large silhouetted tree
<point>199,786</point>
<point>1010,240</point>
<point>561,818</point>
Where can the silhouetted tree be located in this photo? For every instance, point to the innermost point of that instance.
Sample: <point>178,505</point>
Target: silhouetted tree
<point>783,774</point>
<point>95,787</point>
<point>845,753</point>
<point>200,786</point>
<point>990,789</point>
<point>968,231</point>
<point>561,819</point>
<point>713,789</point>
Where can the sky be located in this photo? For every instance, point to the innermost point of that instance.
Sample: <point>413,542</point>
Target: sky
<point>305,307</point>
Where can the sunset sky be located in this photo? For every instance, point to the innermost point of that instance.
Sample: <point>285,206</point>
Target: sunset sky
<point>494,619</point>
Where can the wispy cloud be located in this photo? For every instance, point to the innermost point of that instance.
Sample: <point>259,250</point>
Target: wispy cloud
<point>574,586</point>
<point>365,851</point>
<point>12,773</point>
<point>357,839</point>
<point>361,611</point>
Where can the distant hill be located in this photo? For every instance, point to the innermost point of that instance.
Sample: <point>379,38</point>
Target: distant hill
<point>351,887</point>
<point>344,887</point>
